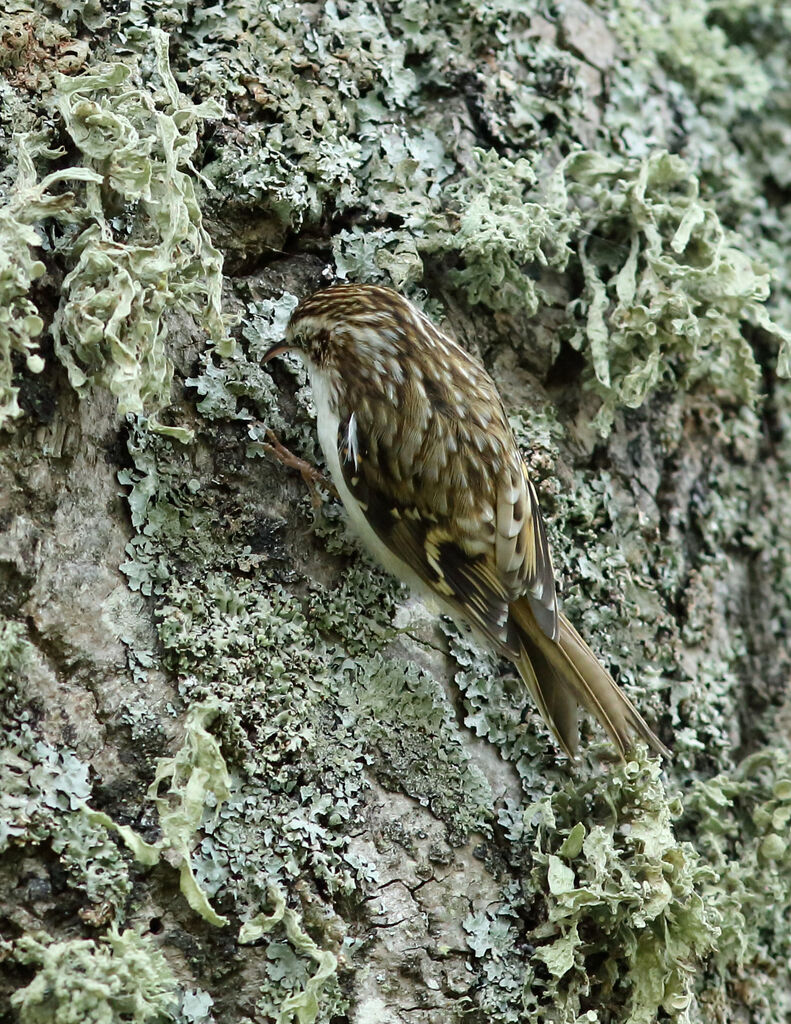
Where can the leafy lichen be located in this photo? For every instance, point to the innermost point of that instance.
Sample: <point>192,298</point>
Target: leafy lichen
<point>305,1003</point>
<point>667,289</point>
<point>43,789</point>
<point>197,778</point>
<point>139,249</point>
<point>123,976</point>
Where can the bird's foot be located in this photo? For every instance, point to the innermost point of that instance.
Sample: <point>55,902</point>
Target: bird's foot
<point>311,476</point>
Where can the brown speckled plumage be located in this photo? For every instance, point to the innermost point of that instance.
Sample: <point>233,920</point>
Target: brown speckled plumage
<point>420,448</point>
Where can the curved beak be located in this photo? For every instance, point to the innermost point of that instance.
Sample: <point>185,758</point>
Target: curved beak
<point>276,350</point>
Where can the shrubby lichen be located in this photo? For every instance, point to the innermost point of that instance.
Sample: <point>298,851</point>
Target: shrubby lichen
<point>740,825</point>
<point>626,922</point>
<point>110,325</point>
<point>30,201</point>
<point>723,65</point>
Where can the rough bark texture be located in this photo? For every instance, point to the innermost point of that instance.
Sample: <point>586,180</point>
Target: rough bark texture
<point>246,777</point>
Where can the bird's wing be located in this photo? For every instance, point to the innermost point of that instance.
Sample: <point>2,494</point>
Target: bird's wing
<point>521,550</point>
<point>477,557</point>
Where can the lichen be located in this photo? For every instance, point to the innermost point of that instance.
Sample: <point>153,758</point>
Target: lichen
<point>740,823</point>
<point>667,289</point>
<point>43,789</point>
<point>198,785</point>
<point>723,65</point>
<point>122,976</point>
<point>110,325</point>
<point>197,781</point>
<point>499,221</point>
<point>442,149</point>
<point>296,698</point>
<point>15,649</point>
<point>304,1003</point>
<point>625,922</point>
<point>139,249</point>
<point>30,201</point>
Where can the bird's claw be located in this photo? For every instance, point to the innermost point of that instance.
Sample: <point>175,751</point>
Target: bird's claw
<point>311,476</point>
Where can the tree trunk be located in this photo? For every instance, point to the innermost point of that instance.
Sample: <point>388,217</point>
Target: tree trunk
<point>246,776</point>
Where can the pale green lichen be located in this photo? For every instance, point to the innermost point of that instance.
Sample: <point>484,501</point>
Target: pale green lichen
<point>499,220</point>
<point>740,824</point>
<point>305,1003</point>
<point>93,863</point>
<point>110,326</point>
<point>142,250</point>
<point>197,780</point>
<point>341,142</point>
<point>238,387</point>
<point>625,920</point>
<point>687,42</point>
<point>164,511</point>
<point>196,1008</point>
<point>667,289</point>
<point>30,201</point>
<point>297,698</point>
<point>198,785</point>
<point>620,921</point>
<point>123,976</point>
<point>39,784</point>
<point>721,65</point>
<point>15,651</point>
<point>43,789</point>
<point>393,138</point>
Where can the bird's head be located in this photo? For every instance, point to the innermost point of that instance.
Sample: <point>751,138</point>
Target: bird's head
<point>349,324</point>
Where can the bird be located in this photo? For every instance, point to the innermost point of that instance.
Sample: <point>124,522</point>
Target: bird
<point>419,448</point>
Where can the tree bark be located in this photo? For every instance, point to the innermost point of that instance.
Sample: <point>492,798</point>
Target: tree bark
<point>246,776</point>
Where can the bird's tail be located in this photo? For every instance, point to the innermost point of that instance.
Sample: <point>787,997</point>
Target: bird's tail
<point>563,674</point>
